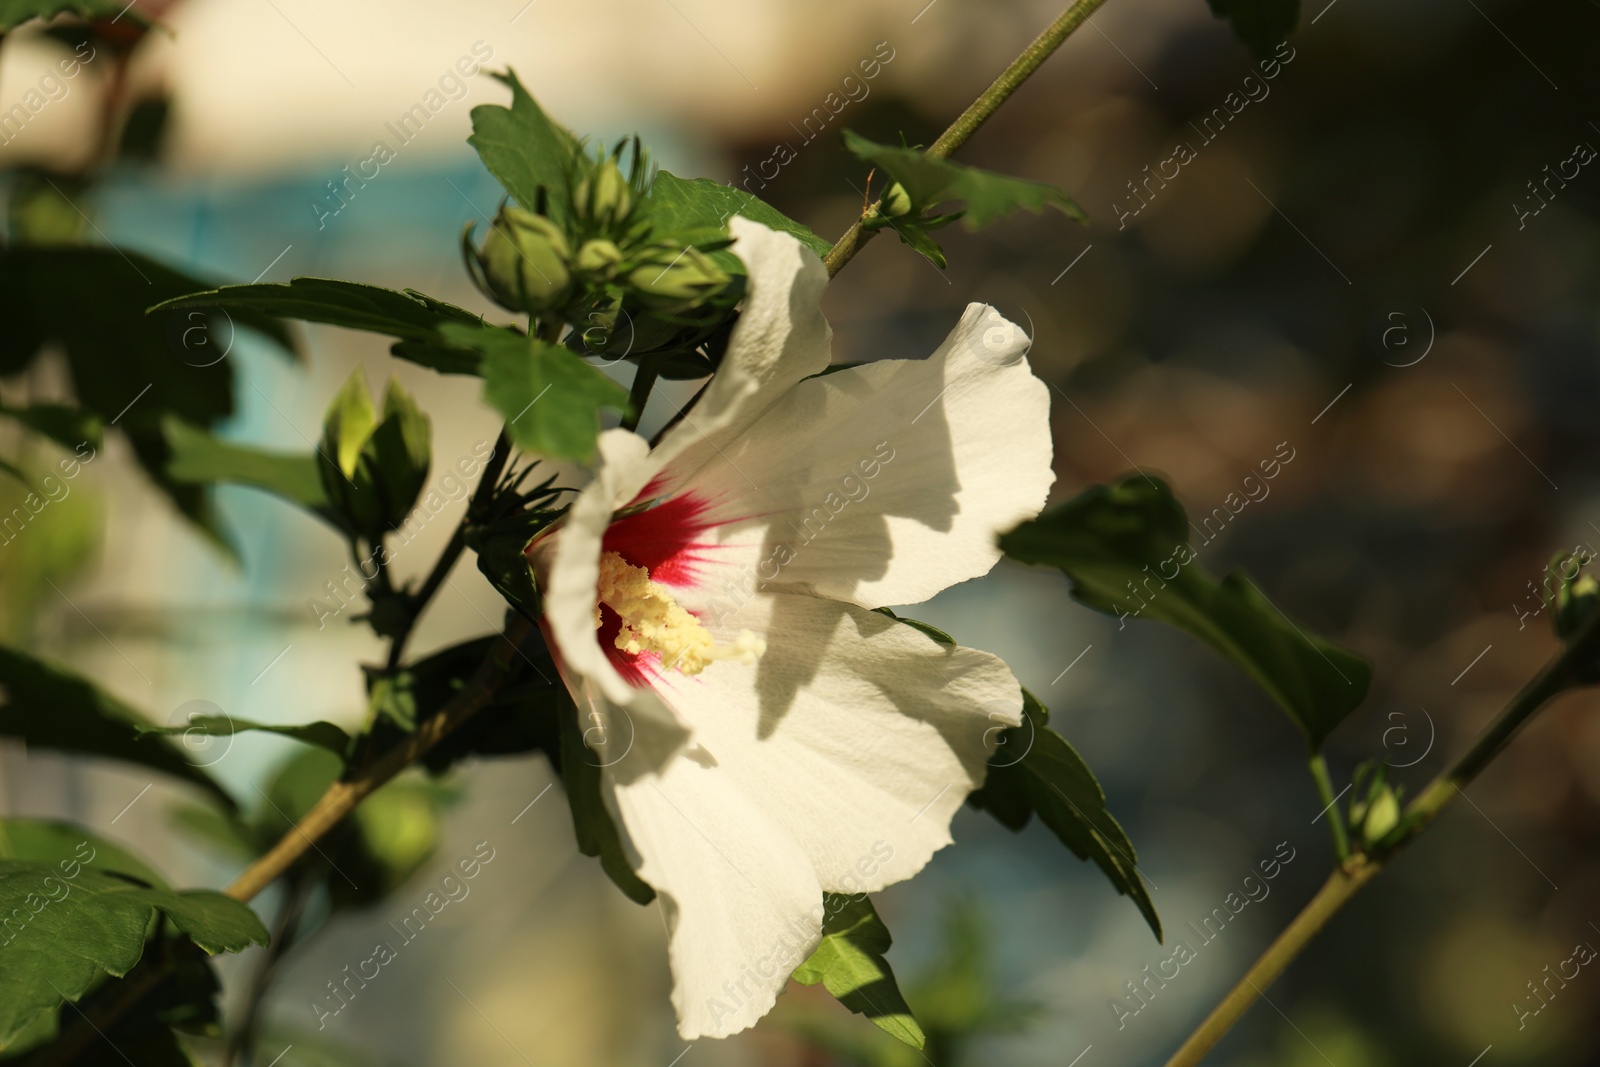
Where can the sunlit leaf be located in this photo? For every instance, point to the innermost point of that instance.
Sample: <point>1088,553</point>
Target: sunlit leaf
<point>65,933</point>
<point>1035,771</point>
<point>196,457</point>
<point>930,182</point>
<point>1126,550</point>
<point>550,397</point>
<point>68,427</point>
<point>696,210</point>
<point>850,965</point>
<point>529,153</point>
<point>14,13</point>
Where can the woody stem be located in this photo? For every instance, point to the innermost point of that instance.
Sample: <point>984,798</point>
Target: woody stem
<point>342,797</point>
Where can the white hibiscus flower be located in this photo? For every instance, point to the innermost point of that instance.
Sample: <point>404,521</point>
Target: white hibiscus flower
<point>766,736</point>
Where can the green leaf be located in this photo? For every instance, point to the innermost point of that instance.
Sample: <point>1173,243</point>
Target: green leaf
<point>930,182</point>
<point>550,397</point>
<point>198,458</point>
<point>694,211</point>
<point>916,238</point>
<point>922,627</point>
<point>399,830</point>
<point>322,734</point>
<point>1050,778</point>
<point>15,12</point>
<point>44,841</point>
<point>411,317</point>
<point>127,367</point>
<point>849,963</point>
<point>224,832</point>
<point>68,427</point>
<point>47,707</point>
<point>1261,24</point>
<point>591,821</point>
<point>526,151</point>
<point>64,932</point>
<point>1126,550</point>
<point>177,989</point>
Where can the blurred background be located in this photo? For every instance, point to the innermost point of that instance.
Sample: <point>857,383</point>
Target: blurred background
<point>1377,261</point>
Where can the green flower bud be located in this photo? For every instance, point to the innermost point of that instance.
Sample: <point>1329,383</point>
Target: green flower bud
<point>598,257</point>
<point>670,276</point>
<point>1576,596</point>
<point>604,196</point>
<point>524,261</point>
<point>1381,816</point>
<point>896,201</point>
<point>373,469</point>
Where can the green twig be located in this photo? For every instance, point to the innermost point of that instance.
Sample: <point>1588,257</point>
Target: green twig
<point>968,122</point>
<point>1568,669</point>
<point>1330,808</point>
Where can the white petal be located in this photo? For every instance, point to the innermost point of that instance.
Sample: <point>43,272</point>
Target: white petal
<point>859,735</point>
<point>835,764</point>
<point>569,563</point>
<point>780,338</point>
<point>742,903</point>
<point>880,484</point>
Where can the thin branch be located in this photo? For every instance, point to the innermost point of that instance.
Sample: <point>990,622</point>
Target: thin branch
<point>342,797</point>
<point>968,122</point>
<point>1568,669</point>
<point>1330,807</point>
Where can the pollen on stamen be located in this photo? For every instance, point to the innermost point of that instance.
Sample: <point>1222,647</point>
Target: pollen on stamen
<point>652,621</point>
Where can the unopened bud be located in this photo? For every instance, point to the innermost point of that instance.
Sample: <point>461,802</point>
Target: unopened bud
<point>1576,596</point>
<point>604,196</point>
<point>524,261</point>
<point>677,276</point>
<point>1382,815</point>
<point>598,257</point>
<point>896,201</point>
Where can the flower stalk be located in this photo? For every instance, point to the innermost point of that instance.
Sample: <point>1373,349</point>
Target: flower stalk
<point>1330,808</point>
